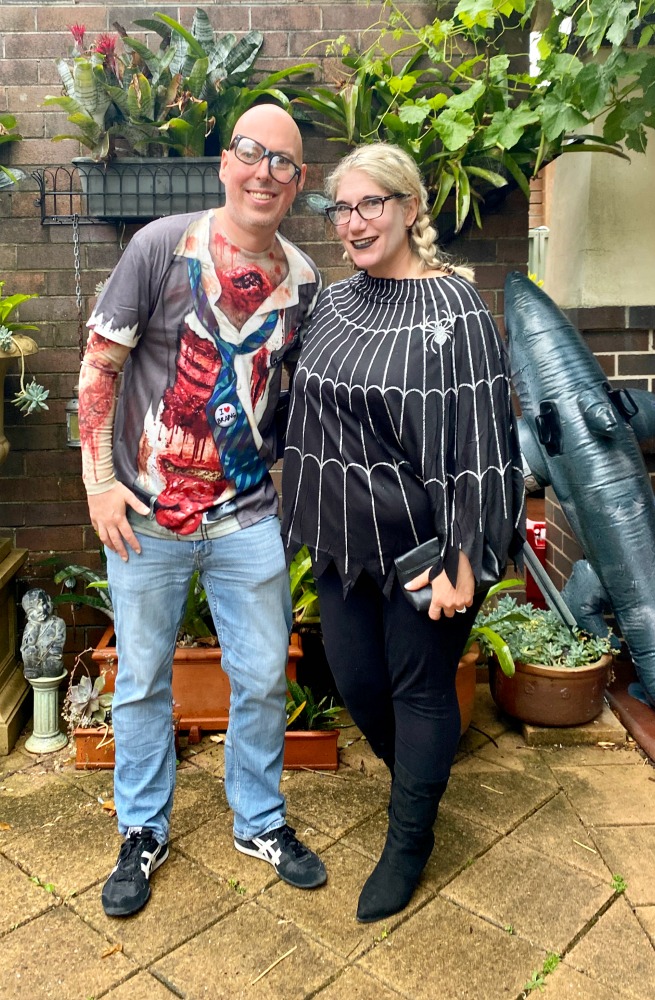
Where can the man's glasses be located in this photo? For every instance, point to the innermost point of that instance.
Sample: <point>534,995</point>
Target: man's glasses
<point>280,167</point>
<point>368,208</point>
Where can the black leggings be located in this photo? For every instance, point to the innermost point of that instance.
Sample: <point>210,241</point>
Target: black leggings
<point>395,669</point>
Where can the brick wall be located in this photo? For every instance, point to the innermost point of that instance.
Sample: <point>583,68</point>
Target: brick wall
<point>42,502</point>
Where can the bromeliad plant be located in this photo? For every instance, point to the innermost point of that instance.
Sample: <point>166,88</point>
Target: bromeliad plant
<point>458,96</point>
<point>181,100</point>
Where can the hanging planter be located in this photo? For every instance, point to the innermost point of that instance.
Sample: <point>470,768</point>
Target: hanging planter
<point>141,188</point>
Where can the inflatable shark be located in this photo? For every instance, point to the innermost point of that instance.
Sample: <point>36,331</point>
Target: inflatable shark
<point>576,435</point>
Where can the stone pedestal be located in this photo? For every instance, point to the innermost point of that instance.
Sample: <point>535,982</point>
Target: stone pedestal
<point>15,706</point>
<point>46,736</point>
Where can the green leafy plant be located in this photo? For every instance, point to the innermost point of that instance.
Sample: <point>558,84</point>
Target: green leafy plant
<point>31,396</point>
<point>488,637</point>
<point>533,635</point>
<point>537,980</point>
<point>619,884</point>
<point>457,95</point>
<point>304,712</point>
<point>182,99</point>
<point>304,597</point>
<point>8,134</point>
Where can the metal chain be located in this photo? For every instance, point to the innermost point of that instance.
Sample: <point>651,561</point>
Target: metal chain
<point>78,286</point>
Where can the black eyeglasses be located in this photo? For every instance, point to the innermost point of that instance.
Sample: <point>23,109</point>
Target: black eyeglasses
<point>280,167</point>
<point>368,208</point>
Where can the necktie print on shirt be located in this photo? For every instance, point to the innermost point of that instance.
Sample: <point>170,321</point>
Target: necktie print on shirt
<point>227,419</point>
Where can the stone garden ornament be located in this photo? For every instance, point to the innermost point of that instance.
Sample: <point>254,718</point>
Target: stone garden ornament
<point>42,649</point>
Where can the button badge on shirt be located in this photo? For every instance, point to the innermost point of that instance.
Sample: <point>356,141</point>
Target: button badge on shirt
<point>225,414</point>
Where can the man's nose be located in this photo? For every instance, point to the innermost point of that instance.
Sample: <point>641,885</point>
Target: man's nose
<point>263,168</point>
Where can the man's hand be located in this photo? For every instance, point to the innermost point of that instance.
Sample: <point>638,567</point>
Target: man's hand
<point>445,597</point>
<point>108,517</point>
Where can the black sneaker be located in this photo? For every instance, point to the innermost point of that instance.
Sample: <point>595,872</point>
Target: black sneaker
<point>128,887</point>
<point>293,862</point>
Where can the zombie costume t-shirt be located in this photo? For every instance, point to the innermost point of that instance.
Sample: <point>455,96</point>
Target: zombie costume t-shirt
<point>194,434</point>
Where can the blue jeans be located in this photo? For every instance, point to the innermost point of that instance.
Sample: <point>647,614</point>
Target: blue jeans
<point>247,585</point>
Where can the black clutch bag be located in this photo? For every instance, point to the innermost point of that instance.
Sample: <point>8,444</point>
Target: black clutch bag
<point>416,561</point>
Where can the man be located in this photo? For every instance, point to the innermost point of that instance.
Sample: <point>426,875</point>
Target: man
<point>201,310</point>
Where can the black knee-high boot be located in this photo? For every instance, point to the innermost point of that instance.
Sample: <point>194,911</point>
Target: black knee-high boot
<point>412,812</point>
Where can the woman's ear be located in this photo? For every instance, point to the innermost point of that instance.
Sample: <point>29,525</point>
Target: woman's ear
<point>411,211</point>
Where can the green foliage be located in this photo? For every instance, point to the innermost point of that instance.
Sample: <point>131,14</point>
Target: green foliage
<point>304,598</point>
<point>7,134</point>
<point>536,636</point>
<point>619,885</point>
<point>303,712</point>
<point>33,396</point>
<point>183,99</point>
<point>489,637</point>
<point>537,980</point>
<point>459,98</point>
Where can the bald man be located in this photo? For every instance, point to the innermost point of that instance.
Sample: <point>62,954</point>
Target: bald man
<point>199,315</point>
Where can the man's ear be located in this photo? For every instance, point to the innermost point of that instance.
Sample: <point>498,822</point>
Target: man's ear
<point>223,166</point>
<point>301,180</point>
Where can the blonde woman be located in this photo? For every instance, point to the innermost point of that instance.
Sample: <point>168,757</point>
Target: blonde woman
<point>401,442</point>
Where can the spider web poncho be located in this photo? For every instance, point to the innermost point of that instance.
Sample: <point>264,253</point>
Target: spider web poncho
<point>401,430</point>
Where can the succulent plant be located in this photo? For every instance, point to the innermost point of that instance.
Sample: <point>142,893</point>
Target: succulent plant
<point>85,705</point>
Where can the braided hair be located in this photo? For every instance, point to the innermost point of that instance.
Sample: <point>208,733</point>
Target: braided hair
<point>395,170</point>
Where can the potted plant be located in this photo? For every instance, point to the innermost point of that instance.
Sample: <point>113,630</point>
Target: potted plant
<point>201,688</point>
<point>154,123</point>
<point>8,135</point>
<point>86,709</point>
<point>311,736</point>
<point>560,674</point>
<point>30,396</point>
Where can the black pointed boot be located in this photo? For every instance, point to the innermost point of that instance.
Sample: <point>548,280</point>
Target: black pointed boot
<point>412,812</point>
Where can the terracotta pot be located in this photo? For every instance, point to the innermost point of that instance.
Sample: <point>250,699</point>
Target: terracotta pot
<point>465,684</point>
<point>314,749</point>
<point>551,696</point>
<point>90,755</point>
<point>201,689</point>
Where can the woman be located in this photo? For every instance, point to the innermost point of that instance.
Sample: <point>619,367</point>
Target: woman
<point>401,433</point>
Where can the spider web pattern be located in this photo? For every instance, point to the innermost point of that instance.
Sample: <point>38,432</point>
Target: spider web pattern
<point>401,429</point>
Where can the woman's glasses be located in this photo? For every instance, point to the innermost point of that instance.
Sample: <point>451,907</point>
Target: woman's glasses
<point>280,167</point>
<point>368,208</point>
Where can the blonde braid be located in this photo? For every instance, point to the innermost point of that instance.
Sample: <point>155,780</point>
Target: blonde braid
<point>423,237</point>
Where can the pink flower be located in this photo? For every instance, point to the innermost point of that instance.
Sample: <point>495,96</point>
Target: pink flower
<point>78,31</point>
<point>105,45</point>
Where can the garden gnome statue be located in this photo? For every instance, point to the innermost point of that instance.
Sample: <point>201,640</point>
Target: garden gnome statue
<point>42,649</point>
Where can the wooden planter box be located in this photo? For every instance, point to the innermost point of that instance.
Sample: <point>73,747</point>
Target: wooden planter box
<point>303,750</point>
<point>201,689</point>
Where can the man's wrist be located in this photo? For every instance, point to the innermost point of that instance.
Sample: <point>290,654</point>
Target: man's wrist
<point>94,489</point>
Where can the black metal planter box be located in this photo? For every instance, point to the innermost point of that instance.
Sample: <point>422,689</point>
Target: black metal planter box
<point>142,188</point>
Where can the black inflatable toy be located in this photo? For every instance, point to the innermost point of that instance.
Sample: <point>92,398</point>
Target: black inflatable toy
<point>576,435</point>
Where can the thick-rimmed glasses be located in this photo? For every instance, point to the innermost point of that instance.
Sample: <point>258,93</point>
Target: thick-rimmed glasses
<point>280,167</point>
<point>367,208</point>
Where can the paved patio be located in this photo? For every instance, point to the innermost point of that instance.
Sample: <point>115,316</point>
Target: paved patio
<point>540,850</point>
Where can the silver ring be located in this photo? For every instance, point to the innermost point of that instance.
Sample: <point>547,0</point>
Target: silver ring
<point>461,611</point>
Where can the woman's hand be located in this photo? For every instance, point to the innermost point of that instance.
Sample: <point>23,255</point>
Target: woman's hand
<point>445,597</point>
<point>108,517</point>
